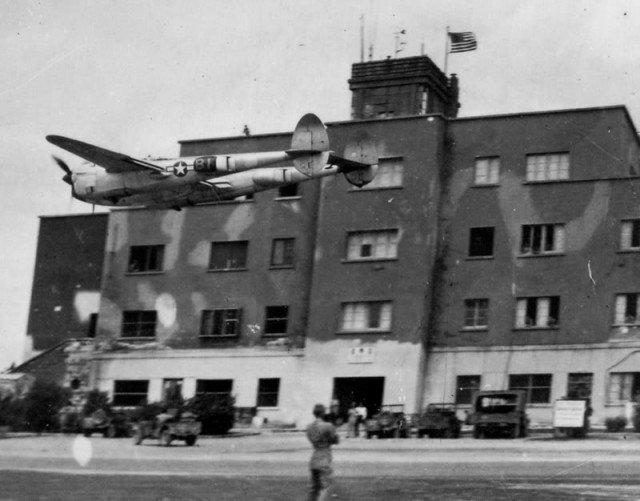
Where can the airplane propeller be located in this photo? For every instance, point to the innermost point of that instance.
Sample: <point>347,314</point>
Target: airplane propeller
<point>63,165</point>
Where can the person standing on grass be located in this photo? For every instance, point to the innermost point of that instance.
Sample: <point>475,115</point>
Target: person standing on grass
<point>322,436</point>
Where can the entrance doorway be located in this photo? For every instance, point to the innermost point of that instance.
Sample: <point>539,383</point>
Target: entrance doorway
<point>365,390</point>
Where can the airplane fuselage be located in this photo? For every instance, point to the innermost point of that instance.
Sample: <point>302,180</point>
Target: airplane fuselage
<point>115,179</point>
<point>182,187</point>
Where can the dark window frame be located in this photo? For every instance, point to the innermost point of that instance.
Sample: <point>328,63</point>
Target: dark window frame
<point>466,386</point>
<point>579,385</point>
<point>146,259</point>
<point>220,387</point>
<point>475,310</point>
<point>139,323</point>
<point>230,255</point>
<point>268,392</point>
<point>130,392</point>
<point>292,190</point>
<point>221,323</point>
<point>537,386</point>
<point>285,257</point>
<point>481,241</point>
<point>274,320</point>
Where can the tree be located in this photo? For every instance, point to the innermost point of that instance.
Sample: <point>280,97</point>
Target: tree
<point>96,399</point>
<point>42,404</point>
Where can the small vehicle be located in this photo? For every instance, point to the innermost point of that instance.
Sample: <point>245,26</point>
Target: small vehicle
<point>167,427</point>
<point>389,422</point>
<point>438,420</point>
<point>499,413</point>
<point>111,425</point>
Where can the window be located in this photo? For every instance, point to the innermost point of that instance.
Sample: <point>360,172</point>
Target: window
<point>219,387</point>
<point>481,242</point>
<point>220,323</point>
<point>476,313</point>
<point>288,191</point>
<point>370,316</point>
<point>139,323</point>
<point>623,387</point>
<point>276,319</point>
<point>542,239</point>
<point>172,391</point>
<point>579,385</point>
<point>145,258</point>
<point>369,245</point>
<point>466,386</point>
<point>228,255</point>
<point>537,386</point>
<point>130,393</point>
<point>268,390</point>
<point>93,325</point>
<point>630,235</point>
<point>282,252</point>
<point>389,175</point>
<point>538,312</point>
<point>627,309</point>
<point>548,167</point>
<point>487,170</point>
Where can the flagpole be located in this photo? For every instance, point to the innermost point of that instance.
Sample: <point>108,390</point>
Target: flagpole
<point>446,52</point>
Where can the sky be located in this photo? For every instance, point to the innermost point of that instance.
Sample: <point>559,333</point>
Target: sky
<point>136,77</point>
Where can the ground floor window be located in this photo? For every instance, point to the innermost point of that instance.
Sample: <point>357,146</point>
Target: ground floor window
<point>623,387</point>
<point>579,385</point>
<point>268,390</point>
<point>536,386</point>
<point>466,386</point>
<point>222,387</point>
<point>172,391</point>
<point>130,392</point>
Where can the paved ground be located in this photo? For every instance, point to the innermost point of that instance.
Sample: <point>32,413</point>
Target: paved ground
<point>273,466</point>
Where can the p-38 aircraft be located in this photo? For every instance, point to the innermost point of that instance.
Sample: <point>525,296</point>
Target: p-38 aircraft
<point>115,179</point>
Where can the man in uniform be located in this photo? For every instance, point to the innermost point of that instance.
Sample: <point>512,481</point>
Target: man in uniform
<point>322,436</point>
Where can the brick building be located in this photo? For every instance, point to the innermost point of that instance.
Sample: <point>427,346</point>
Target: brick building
<point>490,252</point>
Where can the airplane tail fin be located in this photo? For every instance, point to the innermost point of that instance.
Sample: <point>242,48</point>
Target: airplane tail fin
<point>309,145</point>
<point>361,156</point>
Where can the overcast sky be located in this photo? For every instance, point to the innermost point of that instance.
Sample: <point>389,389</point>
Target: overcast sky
<point>137,76</point>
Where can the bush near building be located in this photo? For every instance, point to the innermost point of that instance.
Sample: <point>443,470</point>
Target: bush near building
<point>42,405</point>
<point>615,424</point>
<point>215,412</point>
<point>12,412</point>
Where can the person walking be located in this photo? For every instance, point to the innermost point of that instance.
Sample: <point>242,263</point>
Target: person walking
<point>362,417</point>
<point>322,436</point>
<point>352,421</point>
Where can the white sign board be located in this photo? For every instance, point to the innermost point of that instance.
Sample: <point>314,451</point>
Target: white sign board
<point>569,413</point>
<point>361,355</point>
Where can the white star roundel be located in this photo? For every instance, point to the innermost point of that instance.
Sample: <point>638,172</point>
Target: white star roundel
<point>180,169</point>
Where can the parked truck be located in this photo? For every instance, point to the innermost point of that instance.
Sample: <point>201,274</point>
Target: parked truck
<point>167,427</point>
<point>499,413</point>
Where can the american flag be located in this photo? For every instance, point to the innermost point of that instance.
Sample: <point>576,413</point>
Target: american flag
<point>463,42</point>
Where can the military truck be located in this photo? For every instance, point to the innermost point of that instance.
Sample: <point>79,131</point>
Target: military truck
<point>109,424</point>
<point>167,427</point>
<point>438,420</point>
<point>499,413</point>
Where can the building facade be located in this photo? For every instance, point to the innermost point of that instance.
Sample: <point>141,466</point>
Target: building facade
<point>489,252</point>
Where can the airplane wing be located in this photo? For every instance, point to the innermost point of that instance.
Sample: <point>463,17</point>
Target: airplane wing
<point>111,161</point>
